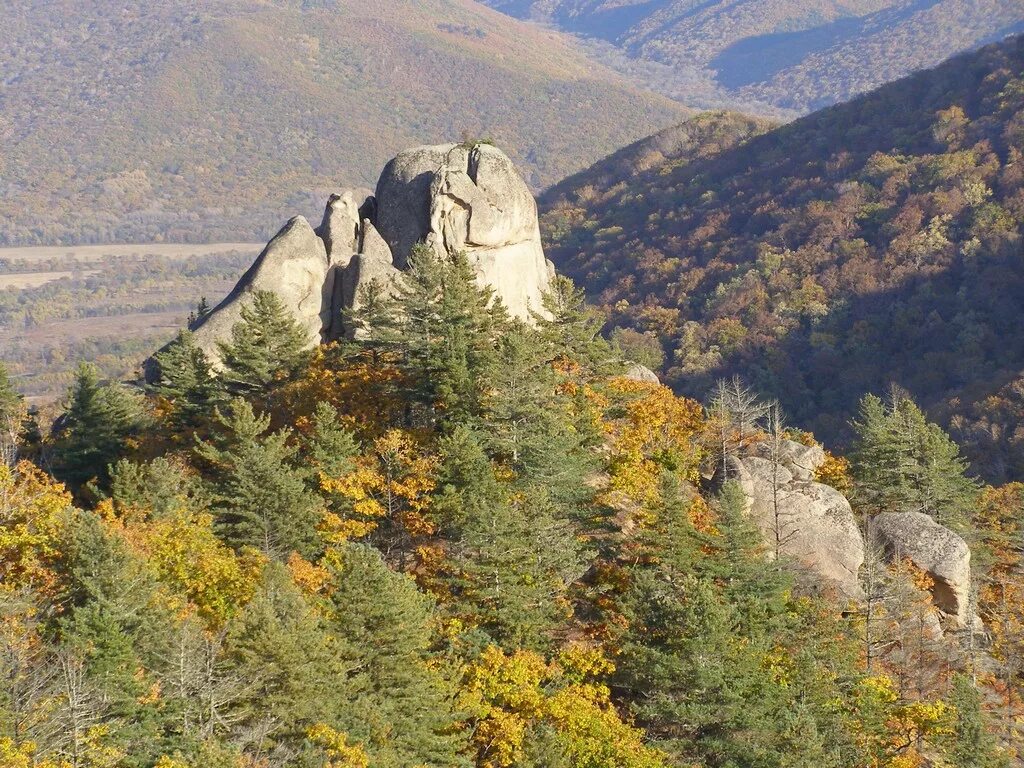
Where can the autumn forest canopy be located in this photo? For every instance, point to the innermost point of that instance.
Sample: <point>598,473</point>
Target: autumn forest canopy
<point>745,491</point>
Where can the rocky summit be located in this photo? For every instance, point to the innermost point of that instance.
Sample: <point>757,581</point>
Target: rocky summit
<point>453,198</point>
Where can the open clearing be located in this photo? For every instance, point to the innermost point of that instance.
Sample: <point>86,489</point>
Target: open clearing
<point>92,253</point>
<point>22,280</point>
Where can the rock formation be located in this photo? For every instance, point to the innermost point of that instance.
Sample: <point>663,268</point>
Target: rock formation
<point>453,197</point>
<point>638,372</point>
<point>937,551</point>
<point>815,524</point>
<point>294,265</point>
<point>456,197</point>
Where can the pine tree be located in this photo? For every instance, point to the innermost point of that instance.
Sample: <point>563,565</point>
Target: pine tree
<point>530,423</point>
<point>260,495</point>
<point>396,704</point>
<point>185,380</point>
<point>444,327</point>
<point>94,429</point>
<point>902,463</point>
<point>113,631</point>
<point>972,746</point>
<point>572,329</point>
<point>294,674</point>
<point>266,346</point>
<point>517,558</point>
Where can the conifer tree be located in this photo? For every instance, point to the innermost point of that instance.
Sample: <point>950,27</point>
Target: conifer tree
<point>266,345</point>
<point>572,329</point>
<point>517,558</point>
<point>260,495</point>
<point>115,628</point>
<point>972,746</point>
<point>902,463</point>
<point>396,704</point>
<point>93,431</point>
<point>187,383</point>
<point>294,676</point>
<point>530,424</point>
<point>444,327</point>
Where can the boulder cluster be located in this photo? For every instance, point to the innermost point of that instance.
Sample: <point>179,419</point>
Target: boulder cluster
<point>813,524</point>
<point>452,198</point>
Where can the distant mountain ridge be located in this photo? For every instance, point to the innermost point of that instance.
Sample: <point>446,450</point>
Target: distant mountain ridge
<point>778,54</point>
<point>189,122</point>
<point>873,243</point>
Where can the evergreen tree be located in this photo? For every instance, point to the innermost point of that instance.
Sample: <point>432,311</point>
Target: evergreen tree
<point>972,746</point>
<point>902,463</point>
<point>294,675</point>
<point>160,488</point>
<point>187,383</point>
<point>517,558</point>
<point>331,446</point>
<point>266,346</point>
<point>396,703</point>
<point>94,429</point>
<point>114,625</point>
<point>572,329</point>
<point>530,423</point>
<point>444,327</point>
<point>260,495</point>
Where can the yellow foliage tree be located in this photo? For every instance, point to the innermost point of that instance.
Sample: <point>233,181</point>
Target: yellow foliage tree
<point>32,511</point>
<point>650,429</point>
<point>191,560</point>
<point>507,694</point>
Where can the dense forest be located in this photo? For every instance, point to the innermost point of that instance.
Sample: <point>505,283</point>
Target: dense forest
<point>464,540</point>
<point>872,243</point>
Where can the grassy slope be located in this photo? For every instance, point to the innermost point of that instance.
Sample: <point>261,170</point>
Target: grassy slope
<point>168,122</point>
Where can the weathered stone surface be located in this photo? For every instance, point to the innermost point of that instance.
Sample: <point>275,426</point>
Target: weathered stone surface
<point>936,550</point>
<point>362,270</point>
<point>340,229</point>
<point>815,523</point>
<point>457,198</point>
<point>801,460</point>
<point>294,266</point>
<point>638,372</point>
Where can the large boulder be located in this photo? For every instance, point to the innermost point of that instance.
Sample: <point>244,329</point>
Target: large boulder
<point>466,198</point>
<point>810,522</point>
<point>937,551</point>
<point>294,266</point>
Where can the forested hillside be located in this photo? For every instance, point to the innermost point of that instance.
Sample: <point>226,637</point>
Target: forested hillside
<point>471,541</point>
<point>871,243</point>
<point>183,123</point>
<point>775,54</point>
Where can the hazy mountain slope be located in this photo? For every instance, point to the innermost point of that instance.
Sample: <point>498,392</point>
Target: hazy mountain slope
<point>133,121</point>
<point>787,54</point>
<point>870,243</point>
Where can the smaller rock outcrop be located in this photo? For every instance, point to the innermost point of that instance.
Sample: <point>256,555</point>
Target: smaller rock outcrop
<point>936,550</point>
<point>812,523</point>
<point>638,372</point>
<point>294,266</point>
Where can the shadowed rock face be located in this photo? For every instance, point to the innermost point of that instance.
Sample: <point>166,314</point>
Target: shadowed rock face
<point>454,198</point>
<point>294,266</point>
<point>937,551</point>
<point>815,524</point>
